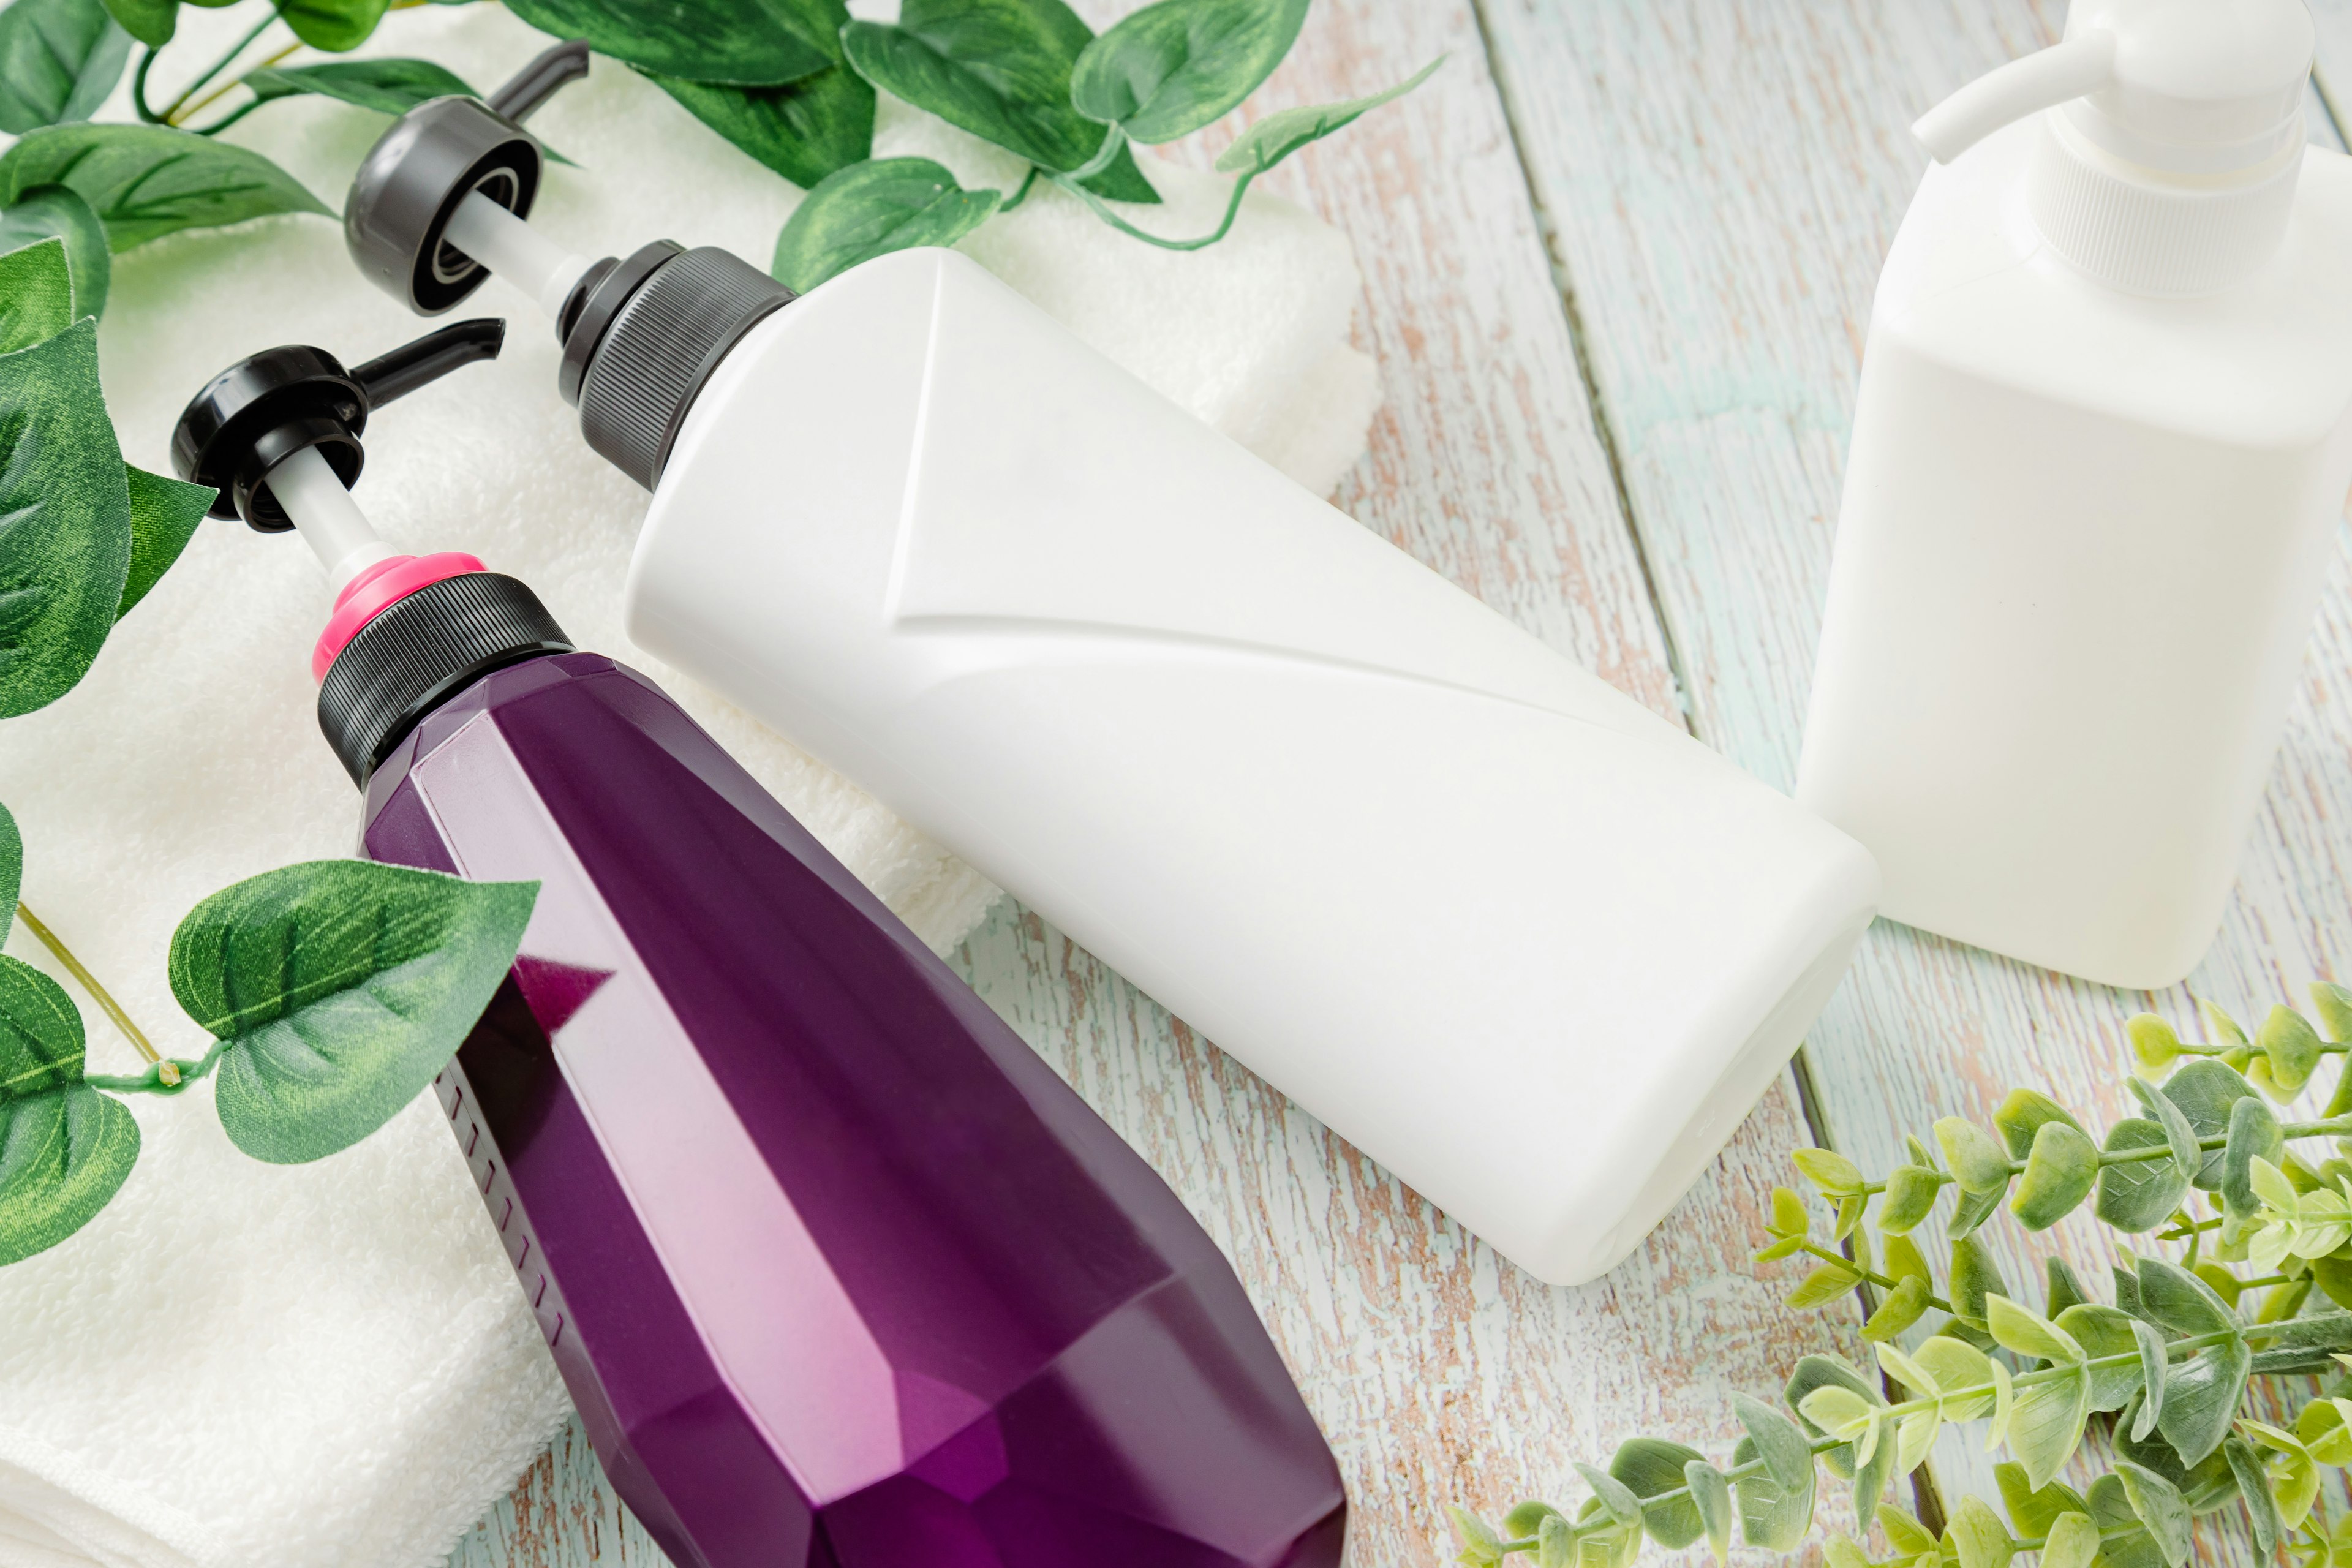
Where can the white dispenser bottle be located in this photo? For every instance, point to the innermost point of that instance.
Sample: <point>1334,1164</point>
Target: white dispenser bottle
<point>2104,433</point>
<point>1526,944</point>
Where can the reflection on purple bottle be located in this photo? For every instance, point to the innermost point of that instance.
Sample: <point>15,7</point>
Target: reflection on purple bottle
<point>837,1269</point>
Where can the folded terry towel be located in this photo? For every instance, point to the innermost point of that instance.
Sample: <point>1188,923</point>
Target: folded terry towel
<point>329,1365</point>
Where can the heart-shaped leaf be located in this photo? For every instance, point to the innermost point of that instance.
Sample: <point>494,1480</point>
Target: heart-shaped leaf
<point>64,519</point>
<point>147,181</point>
<point>1648,1466</point>
<point>1278,135</point>
<point>36,295</point>
<point>871,209</point>
<point>1911,1192</point>
<point>1772,1517</point>
<point>12,869</point>
<point>742,43</point>
<point>1170,69</point>
<point>2025,1112</point>
<point>2201,1398</point>
<point>2072,1541</point>
<point>999,69</point>
<point>2140,1194</point>
<point>63,1156</point>
<point>1978,1537</point>
<point>164,517</point>
<point>2022,1330</point>
<point>2058,1173</point>
<point>804,130</point>
<point>2047,1424</point>
<point>2159,1508</point>
<point>53,211</point>
<point>58,61</point>
<point>341,987</point>
<point>388,86</point>
<point>2172,1297</point>
<point>334,25</point>
<point>2205,1090</point>
<point>2291,1045</point>
<point>41,1042</point>
<point>1974,1277</point>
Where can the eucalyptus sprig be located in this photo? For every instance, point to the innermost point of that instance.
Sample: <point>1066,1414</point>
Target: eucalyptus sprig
<point>2261,1210</point>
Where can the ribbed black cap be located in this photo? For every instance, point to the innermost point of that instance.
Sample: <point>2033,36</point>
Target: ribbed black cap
<point>647,359</point>
<point>421,651</point>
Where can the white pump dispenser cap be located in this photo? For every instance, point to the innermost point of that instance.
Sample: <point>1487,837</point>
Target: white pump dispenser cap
<point>2169,165</point>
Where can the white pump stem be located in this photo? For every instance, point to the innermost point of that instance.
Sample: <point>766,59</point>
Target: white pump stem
<point>330,523</point>
<point>2038,81</point>
<point>515,251</point>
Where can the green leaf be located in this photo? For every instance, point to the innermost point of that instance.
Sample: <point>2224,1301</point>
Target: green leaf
<point>742,43</point>
<point>1910,1193</point>
<point>2024,1113</point>
<point>1789,1215</point>
<point>2254,1134</point>
<point>164,517</point>
<point>1710,1495</point>
<point>872,209</point>
<point>1956,1365</point>
<point>2201,1396</point>
<point>2155,1361</point>
<point>53,211</point>
<point>1526,1519</point>
<point>1978,1537</point>
<point>58,61</point>
<point>2034,1510</point>
<point>2047,1424</point>
<point>2173,1299</point>
<point>12,869</point>
<point>999,69</point>
<point>341,987</point>
<point>147,181</point>
<point>1278,135</point>
<point>387,86</point>
<point>1905,1532</point>
<point>63,1156</point>
<point>36,294</point>
<point>2187,1156</point>
<point>2072,1541</point>
<point>2333,1005</point>
<point>1904,1306</point>
<point>1905,1261</point>
<point>2292,1047</point>
<point>1814,1371</point>
<point>334,25</point>
<point>2254,1485</point>
<point>1613,1494</point>
<point>1480,1544</point>
<point>2105,1331</point>
<point>41,1042</point>
<point>2059,1174</point>
<point>1648,1466</point>
<point>806,129</point>
<point>1871,1478</point>
<point>2140,1194</point>
<point>1555,1543</point>
<point>1168,69</point>
<point>64,519</point>
<point>1975,1155</point>
<point>148,21</point>
<point>1973,1278</point>
<point>2205,1090</point>
<point>2160,1509</point>
<point>2154,1042</point>
<point>1787,1457</point>
<point>2124,1542</point>
<point>2025,1331</point>
<point>1972,1210</point>
<point>1827,1169</point>
<point>1772,1517</point>
<point>2061,1288</point>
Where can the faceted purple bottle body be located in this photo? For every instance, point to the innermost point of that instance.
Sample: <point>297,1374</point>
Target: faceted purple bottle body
<point>837,1271</point>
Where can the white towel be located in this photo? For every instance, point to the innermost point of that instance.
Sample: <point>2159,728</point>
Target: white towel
<point>241,1365</point>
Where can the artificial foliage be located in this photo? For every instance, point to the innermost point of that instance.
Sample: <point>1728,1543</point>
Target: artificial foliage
<point>2238,1273</point>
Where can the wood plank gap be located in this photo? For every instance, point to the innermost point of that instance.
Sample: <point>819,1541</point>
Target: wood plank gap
<point>1603,425</point>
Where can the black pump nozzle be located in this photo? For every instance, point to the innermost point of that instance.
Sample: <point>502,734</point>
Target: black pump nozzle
<point>433,158</point>
<point>262,410</point>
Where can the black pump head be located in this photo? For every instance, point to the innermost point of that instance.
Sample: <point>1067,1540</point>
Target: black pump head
<point>260,411</point>
<point>433,158</point>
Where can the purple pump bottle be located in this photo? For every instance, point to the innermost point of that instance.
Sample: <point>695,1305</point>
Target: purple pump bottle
<point>838,1272</point>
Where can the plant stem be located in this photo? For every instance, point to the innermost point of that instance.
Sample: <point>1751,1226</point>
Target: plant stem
<point>168,1075</point>
<point>228,87</point>
<point>98,993</point>
<point>1114,142</point>
<point>1232,210</point>
<point>139,89</point>
<point>1883,1281</point>
<point>172,115</point>
<point>1022,194</point>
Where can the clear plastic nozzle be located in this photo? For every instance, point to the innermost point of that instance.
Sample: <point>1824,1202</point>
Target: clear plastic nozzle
<point>311,493</point>
<point>517,252</point>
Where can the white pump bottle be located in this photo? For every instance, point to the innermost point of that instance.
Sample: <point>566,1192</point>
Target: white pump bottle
<point>1529,945</point>
<point>2104,433</point>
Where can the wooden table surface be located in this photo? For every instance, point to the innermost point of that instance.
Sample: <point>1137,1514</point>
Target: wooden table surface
<point>1619,256</point>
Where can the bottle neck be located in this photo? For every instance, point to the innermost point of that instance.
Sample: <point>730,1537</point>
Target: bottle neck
<point>2152,231</point>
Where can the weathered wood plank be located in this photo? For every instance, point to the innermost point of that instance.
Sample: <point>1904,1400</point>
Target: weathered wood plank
<point>1721,178</point>
<point>1440,1373</point>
